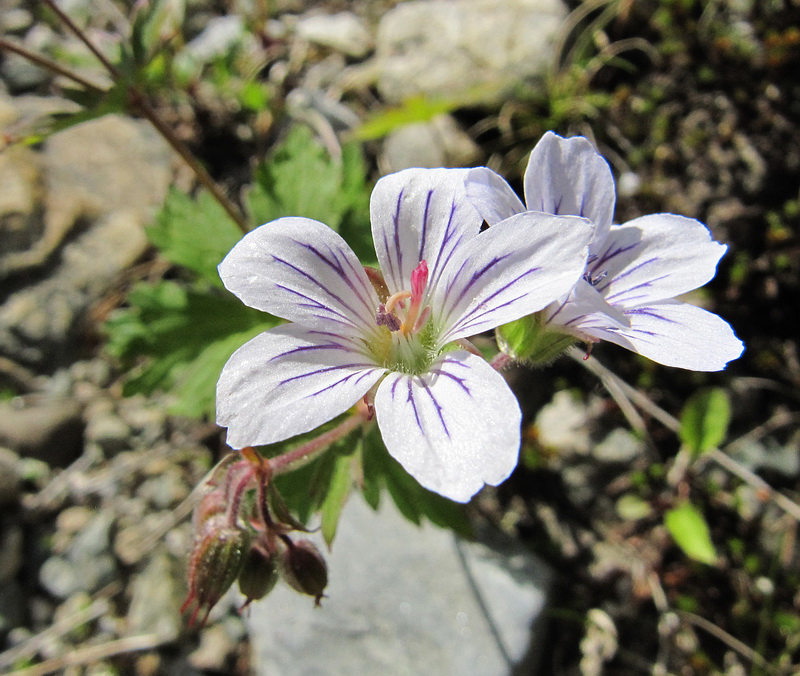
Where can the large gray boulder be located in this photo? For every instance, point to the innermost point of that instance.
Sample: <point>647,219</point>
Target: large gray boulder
<point>464,48</point>
<point>404,599</point>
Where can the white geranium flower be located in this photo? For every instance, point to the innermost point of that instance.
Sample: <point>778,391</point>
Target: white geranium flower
<point>634,270</point>
<point>445,414</point>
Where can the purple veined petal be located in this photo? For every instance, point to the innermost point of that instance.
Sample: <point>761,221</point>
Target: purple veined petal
<point>678,334</point>
<point>491,196</point>
<point>513,269</point>
<point>299,269</point>
<point>653,258</point>
<point>454,428</point>
<point>568,176</point>
<point>420,214</point>
<point>287,381</point>
<point>584,309</point>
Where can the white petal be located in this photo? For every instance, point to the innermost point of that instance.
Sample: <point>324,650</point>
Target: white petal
<point>287,381</point>
<point>510,270</point>
<point>583,310</point>
<point>491,196</point>
<point>453,429</point>
<point>653,258</point>
<point>301,270</point>
<point>678,334</point>
<point>568,176</point>
<point>420,214</point>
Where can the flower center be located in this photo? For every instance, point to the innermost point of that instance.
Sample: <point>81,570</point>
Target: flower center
<point>407,343</point>
<point>395,316</point>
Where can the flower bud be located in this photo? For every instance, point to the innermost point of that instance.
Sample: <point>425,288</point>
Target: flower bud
<point>258,575</point>
<point>216,561</point>
<point>304,568</point>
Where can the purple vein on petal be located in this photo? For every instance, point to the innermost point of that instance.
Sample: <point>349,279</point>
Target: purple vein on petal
<point>311,348</point>
<point>318,284</point>
<point>314,304</point>
<point>609,254</point>
<point>478,319</point>
<point>359,376</point>
<point>461,382</point>
<point>338,268</point>
<point>424,234</point>
<point>650,312</point>
<point>560,307</point>
<point>471,315</point>
<point>628,272</point>
<point>437,405</point>
<point>449,231</point>
<point>643,285</point>
<point>397,250</point>
<point>478,274</point>
<point>358,344</point>
<point>326,369</point>
<point>410,399</point>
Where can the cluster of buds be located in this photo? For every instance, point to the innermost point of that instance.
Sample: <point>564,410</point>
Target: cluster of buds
<point>242,533</point>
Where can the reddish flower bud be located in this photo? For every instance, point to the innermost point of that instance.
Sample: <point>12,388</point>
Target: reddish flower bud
<point>304,568</point>
<point>216,561</point>
<point>258,575</point>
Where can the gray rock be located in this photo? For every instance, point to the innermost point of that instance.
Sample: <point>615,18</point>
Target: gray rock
<point>86,565</point>
<point>451,48</point>
<point>438,143</point>
<point>564,424</point>
<point>345,32</point>
<point>619,447</point>
<point>103,180</point>
<point>156,599</point>
<point>108,431</point>
<point>404,600</point>
<point>48,429</point>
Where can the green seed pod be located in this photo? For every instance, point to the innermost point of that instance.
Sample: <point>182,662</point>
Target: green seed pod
<point>216,561</point>
<point>258,576</point>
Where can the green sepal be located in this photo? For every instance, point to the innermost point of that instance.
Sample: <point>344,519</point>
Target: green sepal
<point>531,340</point>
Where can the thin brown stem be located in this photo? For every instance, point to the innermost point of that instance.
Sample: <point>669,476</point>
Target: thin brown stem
<point>69,23</point>
<point>672,423</point>
<point>138,100</point>
<point>140,103</point>
<point>308,451</point>
<point>48,64</point>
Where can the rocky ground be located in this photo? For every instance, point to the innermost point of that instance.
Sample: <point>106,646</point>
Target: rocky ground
<point>95,487</point>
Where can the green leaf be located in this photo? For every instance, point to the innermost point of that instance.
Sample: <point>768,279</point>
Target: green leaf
<point>196,233</point>
<point>705,418</point>
<point>338,491</point>
<point>178,339</point>
<point>302,179</point>
<point>413,501</point>
<point>414,110</point>
<point>689,529</point>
